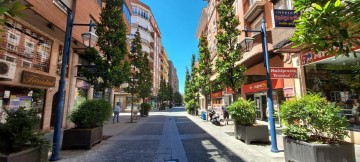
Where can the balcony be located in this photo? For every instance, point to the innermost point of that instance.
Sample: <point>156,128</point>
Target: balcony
<point>152,44</point>
<point>256,7</point>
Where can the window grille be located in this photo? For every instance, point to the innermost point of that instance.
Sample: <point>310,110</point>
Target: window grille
<point>25,47</point>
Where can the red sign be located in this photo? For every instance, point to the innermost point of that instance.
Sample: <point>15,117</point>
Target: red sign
<point>261,86</point>
<point>283,73</point>
<point>216,94</point>
<point>228,90</point>
<point>310,57</point>
<point>289,92</point>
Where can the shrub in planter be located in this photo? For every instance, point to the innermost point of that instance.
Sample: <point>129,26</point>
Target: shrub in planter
<point>145,108</point>
<point>243,113</point>
<point>312,119</point>
<point>19,135</point>
<point>88,119</point>
<point>190,106</point>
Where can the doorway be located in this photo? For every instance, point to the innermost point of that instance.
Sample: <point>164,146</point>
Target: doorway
<point>261,106</point>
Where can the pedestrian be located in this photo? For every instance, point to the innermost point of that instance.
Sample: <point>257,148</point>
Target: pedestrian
<point>225,114</point>
<point>116,112</point>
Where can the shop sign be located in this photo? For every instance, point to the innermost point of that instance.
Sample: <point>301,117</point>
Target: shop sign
<point>283,73</point>
<point>262,86</point>
<point>82,84</point>
<point>289,92</point>
<point>310,57</point>
<point>228,90</point>
<point>216,94</point>
<point>36,79</point>
<point>285,18</point>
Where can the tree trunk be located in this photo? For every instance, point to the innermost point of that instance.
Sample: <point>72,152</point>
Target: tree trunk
<point>206,108</point>
<point>132,108</point>
<point>234,96</point>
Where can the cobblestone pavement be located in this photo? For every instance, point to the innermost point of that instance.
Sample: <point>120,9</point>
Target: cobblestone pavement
<point>172,134</point>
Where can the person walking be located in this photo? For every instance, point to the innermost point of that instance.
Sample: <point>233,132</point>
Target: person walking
<point>225,114</point>
<point>116,112</point>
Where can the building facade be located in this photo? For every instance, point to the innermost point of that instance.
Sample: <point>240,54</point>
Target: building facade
<point>173,78</point>
<point>32,49</point>
<point>310,72</point>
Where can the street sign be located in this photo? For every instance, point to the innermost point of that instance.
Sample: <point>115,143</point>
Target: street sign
<point>283,73</point>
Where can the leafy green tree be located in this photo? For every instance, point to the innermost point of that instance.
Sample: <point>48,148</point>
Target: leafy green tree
<point>145,80</point>
<point>162,94</point>
<point>178,98</point>
<point>111,69</point>
<point>11,7</point>
<point>170,93</point>
<point>328,25</point>
<point>187,85</point>
<point>205,69</point>
<point>229,50</point>
<point>193,97</point>
<point>137,64</point>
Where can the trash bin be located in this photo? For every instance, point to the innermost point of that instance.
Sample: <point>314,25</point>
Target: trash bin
<point>203,115</point>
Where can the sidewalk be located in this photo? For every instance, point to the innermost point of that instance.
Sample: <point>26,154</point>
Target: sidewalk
<point>109,130</point>
<point>219,132</point>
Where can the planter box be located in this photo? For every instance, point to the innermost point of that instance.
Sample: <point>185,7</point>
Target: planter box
<point>35,154</point>
<point>252,133</point>
<point>82,138</point>
<point>302,151</point>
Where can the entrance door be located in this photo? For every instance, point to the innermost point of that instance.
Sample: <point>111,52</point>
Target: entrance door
<point>258,105</point>
<point>264,108</point>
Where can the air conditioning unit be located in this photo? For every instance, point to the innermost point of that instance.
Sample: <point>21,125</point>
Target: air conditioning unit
<point>7,69</point>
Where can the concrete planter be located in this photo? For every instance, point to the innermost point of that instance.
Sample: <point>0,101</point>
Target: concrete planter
<point>82,138</point>
<point>251,133</point>
<point>302,151</point>
<point>35,154</point>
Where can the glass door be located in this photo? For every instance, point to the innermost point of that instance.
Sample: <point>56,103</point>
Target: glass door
<point>258,107</point>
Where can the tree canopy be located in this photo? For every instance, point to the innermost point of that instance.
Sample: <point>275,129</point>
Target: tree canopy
<point>332,26</point>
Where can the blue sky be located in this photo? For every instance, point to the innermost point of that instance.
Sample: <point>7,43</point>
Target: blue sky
<point>177,20</point>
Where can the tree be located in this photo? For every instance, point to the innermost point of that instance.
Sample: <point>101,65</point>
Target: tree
<point>332,26</point>
<point>11,7</point>
<point>229,50</point>
<point>205,69</point>
<point>177,98</point>
<point>137,64</point>
<point>187,86</point>
<point>162,95</point>
<point>145,81</point>
<point>111,69</point>
<point>170,94</point>
<point>193,87</point>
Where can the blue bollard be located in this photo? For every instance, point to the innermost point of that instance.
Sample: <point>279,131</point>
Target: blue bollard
<point>203,115</point>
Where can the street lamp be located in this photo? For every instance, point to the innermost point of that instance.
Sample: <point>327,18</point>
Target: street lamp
<point>248,44</point>
<point>88,38</point>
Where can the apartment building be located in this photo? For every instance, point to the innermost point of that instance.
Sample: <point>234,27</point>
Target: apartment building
<point>32,49</point>
<point>173,78</point>
<point>311,71</point>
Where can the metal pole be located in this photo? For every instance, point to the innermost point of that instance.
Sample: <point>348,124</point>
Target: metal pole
<point>269,89</point>
<point>62,81</point>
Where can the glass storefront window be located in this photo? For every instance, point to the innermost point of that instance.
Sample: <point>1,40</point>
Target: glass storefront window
<point>338,79</point>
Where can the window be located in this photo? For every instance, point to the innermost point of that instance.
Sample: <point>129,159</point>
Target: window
<point>29,45</point>
<point>256,25</point>
<point>62,7</point>
<point>13,40</point>
<point>283,4</point>
<point>26,64</point>
<point>10,58</point>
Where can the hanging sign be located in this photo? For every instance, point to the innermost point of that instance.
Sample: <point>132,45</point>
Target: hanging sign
<point>283,73</point>
<point>262,86</point>
<point>36,79</point>
<point>289,92</point>
<point>216,94</point>
<point>285,18</point>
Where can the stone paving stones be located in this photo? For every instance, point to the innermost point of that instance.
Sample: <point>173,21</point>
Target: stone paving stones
<point>208,149</point>
<point>146,129</point>
<point>189,128</point>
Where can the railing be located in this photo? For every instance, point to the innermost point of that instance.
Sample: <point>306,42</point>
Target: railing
<point>126,12</point>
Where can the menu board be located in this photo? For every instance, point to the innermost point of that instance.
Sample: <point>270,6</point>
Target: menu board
<point>17,101</point>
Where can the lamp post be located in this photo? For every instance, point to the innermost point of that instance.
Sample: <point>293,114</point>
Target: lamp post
<point>87,38</point>
<point>248,42</point>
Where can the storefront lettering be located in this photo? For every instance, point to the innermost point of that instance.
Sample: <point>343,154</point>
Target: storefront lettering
<point>283,73</point>
<point>261,86</point>
<point>37,79</point>
<point>311,57</point>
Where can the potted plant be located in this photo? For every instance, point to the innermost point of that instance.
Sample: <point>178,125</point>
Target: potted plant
<point>315,131</point>
<point>19,139</point>
<point>243,113</point>
<point>145,108</point>
<point>89,119</point>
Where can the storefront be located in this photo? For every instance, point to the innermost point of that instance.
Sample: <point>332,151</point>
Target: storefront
<point>257,92</point>
<point>338,79</point>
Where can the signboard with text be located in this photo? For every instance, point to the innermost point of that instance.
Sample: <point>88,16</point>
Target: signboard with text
<point>262,86</point>
<point>289,92</point>
<point>283,73</point>
<point>36,79</point>
<point>216,94</point>
<point>310,57</point>
<point>285,18</point>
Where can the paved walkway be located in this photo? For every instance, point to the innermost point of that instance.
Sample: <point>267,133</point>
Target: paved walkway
<point>173,134</point>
